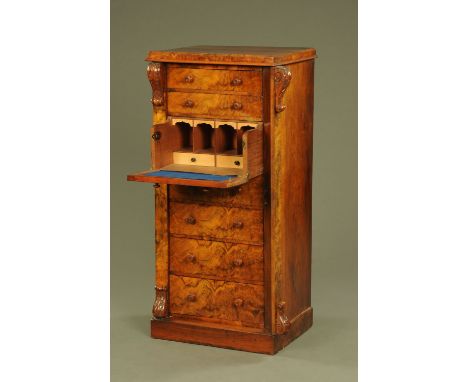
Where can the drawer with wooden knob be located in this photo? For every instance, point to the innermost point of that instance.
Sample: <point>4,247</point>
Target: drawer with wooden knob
<point>217,300</point>
<point>193,159</point>
<point>240,81</point>
<point>249,195</point>
<point>216,259</point>
<point>238,107</point>
<point>216,222</point>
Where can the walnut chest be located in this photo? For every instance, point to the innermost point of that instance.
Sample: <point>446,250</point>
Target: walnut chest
<point>231,167</point>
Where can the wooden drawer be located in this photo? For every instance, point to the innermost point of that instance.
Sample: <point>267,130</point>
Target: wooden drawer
<point>214,222</point>
<point>245,81</point>
<point>219,300</point>
<point>216,259</point>
<point>224,106</point>
<point>229,161</point>
<point>249,195</point>
<point>193,159</point>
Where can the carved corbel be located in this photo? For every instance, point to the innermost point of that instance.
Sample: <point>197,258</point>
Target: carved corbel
<point>282,80</point>
<point>156,77</point>
<point>160,309</point>
<point>282,321</point>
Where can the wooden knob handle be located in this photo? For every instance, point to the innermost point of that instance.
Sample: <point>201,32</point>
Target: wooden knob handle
<point>188,103</point>
<point>236,106</point>
<point>233,191</point>
<point>236,81</point>
<point>238,262</point>
<point>189,79</point>
<point>237,163</point>
<point>191,257</point>
<point>191,297</point>
<point>156,136</point>
<point>190,220</point>
<point>238,224</point>
<point>238,302</point>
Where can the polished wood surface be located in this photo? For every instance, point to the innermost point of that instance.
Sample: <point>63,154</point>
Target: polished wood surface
<point>233,258</point>
<point>247,82</point>
<point>292,197</point>
<point>233,55</point>
<point>230,224</point>
<point>249,195</point>
<point>219,300</point>
<point>228,336</point>
<point>169,152</point>
<point>216,260</point>
<point>239,107</point>
<point>143,177</point>
<point>193,159</point>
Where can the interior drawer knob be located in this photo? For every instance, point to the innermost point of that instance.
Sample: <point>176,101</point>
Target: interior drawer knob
<point>191,258</point>
<point>190,220</point>
<point>189,79</point>
<point>238,225</point>
<point>236,81</point>
<point>188,103</point>
<point>238,262</point>
<point>237,163</point>
<point>191,298</point>
<point>238,302</point>
<point>236,106</point>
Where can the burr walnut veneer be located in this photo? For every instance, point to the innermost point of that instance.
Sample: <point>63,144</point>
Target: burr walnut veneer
<point>231,166</point>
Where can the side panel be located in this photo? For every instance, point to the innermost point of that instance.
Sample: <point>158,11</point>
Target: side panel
<point>291,192</point>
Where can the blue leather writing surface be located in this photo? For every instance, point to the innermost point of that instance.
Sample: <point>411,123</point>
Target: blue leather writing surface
<point>189,175</point>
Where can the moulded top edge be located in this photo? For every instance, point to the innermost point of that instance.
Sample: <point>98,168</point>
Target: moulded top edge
<point>233,55</point>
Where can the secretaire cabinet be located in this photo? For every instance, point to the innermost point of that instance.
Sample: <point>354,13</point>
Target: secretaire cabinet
<point>231,167</point>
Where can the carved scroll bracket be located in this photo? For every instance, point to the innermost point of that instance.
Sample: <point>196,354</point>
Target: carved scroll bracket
<point>282,322</point>
<point>160,306</point>
<point>282,79</point>
<point>156,77</point>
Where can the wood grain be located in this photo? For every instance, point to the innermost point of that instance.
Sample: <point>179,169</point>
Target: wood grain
<point>291,153</point>
<point>215,222</point>
<point>215,106</point>
<point>252,142</point>
<point>221,300</point>
<point>216,260</point>
<point>143,177</point>
<point>233,258</point>
<point>248,82</point>
<point>233,55</point>
<point>156,73</point>
<point>267,249</point>
<point>249,195</point>
<point>160,306</point>
<point>192,159</point>
<point>230,161</point>
<point>230,337</point>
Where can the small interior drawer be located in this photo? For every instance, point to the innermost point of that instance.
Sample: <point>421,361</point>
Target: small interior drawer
<point>217,300</point>
<point>229,161</point>
<point>193,159</point>
<point>239,81</point>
